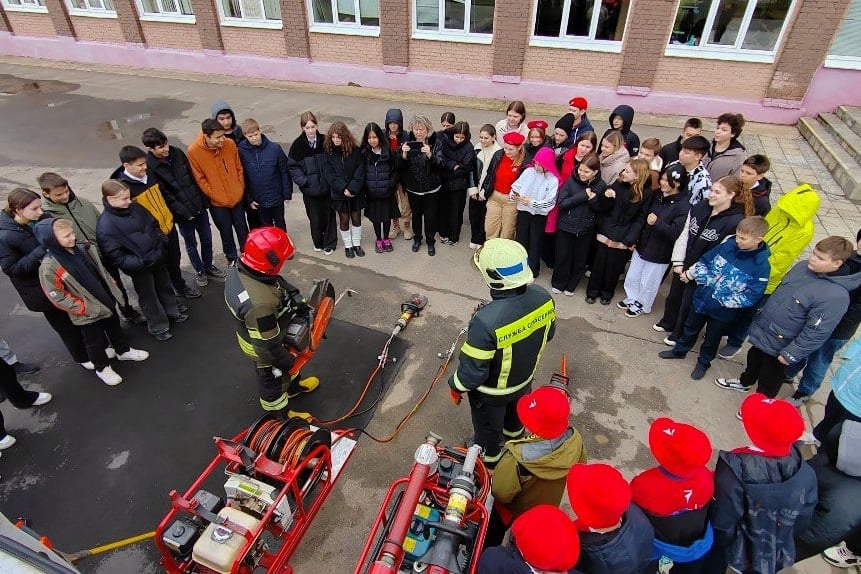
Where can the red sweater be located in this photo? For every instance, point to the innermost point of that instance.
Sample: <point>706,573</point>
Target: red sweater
<point>506,174</point>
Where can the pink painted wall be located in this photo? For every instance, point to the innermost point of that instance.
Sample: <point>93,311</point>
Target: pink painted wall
<point>828,91</point>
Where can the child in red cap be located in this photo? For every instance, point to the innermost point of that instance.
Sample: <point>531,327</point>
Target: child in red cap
<point>615,535</point>
<point>764,493</point>
<point>675,495</point>
<point>543,540</point>
<point>578,119</point>
<point>532,470</point>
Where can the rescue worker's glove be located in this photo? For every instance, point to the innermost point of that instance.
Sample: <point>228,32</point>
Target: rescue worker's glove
<point>455,396</point>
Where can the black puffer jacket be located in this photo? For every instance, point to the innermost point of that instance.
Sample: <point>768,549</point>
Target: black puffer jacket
<point>578,213</point>
<point>306,166</point>
<point>459,163</point>
<point>20,256</point>
<point>622,220</point>
<point>705,231</point>
<point>130,239</point>
<point>837,513</point>
<point>489,180</point>
<point>632,140</point>
<point>848,325</point>
<point>656,241</point>
<point>342,173</point>
<point>421,174</point>
<point>180,191</point>
<point>760,502</point>
<point>627,550</point>
<point>381,172</point>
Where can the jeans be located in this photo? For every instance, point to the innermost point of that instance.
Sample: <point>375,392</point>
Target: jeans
<point>226,220</point>
<point>198,226</point>
<point>816,367</point>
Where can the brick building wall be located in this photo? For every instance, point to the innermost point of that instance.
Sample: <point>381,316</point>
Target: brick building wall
<point>59,13</point>
<point>295,35</point>
<point>362,50</point>
<point>395,26</point>
<point>511,22</point>
<point>98,29</point>
<point>5,25</point>
<point>208,28</point>
<point>572,66</point>
<point>451,57</point>
<point>127,15</point>
<point>256,41</point>
<point>648,28</point>
<point>171,35</point>
<point>713,77</point>
<point>31,24</point>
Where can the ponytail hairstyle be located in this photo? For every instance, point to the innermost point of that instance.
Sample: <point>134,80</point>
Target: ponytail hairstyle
<point>460,128</point>
<point>741,193</point>
<point>307,116</point>
<point>19,198</point>
<point>348,142</point>
<point>642,170</point>
<point>616,140</point>
<point>113,187</point>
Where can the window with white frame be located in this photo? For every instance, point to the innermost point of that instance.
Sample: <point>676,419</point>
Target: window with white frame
<point>845,49</point>
<point>581,21</point>
<point>752,27</point>
<point>346,13</point>
<point>31,5</point>
<point>93,7</point>
<point>250,11</point>
<point>454,16</point>
<point>167,8</point>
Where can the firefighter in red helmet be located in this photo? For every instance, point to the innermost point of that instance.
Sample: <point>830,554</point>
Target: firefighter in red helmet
<point>264,304</point>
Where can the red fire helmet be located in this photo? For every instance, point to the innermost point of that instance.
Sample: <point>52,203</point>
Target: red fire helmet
<point>266,250</point>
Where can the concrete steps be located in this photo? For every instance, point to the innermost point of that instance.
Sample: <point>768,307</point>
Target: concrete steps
<point>836,139</point>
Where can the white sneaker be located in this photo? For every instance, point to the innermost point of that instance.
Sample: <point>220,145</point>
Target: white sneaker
<point>109,376</point>
<point>111,353</point>
<point>568,293</point>
<point>556,291</point>
<point>669,342</point>
<point>89,366</point>
<point>841,556</point>
<point>474,246</point>
<point>42,399</point>
<point>7,441</point>
<point>133,355</point>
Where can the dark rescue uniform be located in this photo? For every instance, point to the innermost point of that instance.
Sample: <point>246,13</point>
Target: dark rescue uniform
<point>264,306</point>
<point>503,347</point>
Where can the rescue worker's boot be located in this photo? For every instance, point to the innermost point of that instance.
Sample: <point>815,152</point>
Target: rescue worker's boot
<point>298,387</point>
<point>300,415</point>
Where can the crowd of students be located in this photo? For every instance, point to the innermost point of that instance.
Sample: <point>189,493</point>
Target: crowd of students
<point>696,210</point>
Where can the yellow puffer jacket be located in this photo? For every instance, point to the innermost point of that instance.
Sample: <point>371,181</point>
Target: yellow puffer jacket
<point>790,229</point>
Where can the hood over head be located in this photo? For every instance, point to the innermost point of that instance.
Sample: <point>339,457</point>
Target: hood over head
<point>547,159</point>
<point>44,233</point>
<point>394,115</point>
<point>219,106</point>
<point>627,115</point>
<point>800,204</point>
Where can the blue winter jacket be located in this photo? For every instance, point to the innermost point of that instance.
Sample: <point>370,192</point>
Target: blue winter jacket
<point>760,503</point>
<point>729,279</point>
<point>803,311</point>
<point>267,180</point>
<point>846,382</point>
<point>627,550</point>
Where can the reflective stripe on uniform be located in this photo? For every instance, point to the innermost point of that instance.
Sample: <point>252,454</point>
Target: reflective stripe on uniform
<point>499,392</point>
<point>522,328</point>
<point>540,351</point>
<point>504,368</point>
<point>247,347</point>
<point>276,405</point>
<point>476,353</point>
<point>514,434</point>
<point>458,385</point>
<point>493,459</point>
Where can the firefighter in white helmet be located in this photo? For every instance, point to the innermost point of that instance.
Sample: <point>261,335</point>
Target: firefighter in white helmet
<point>504,344</point>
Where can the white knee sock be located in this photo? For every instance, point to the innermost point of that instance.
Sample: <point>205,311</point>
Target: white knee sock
<point>345,237</point>
<point>356,231</point>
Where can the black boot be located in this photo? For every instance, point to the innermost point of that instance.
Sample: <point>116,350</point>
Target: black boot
<point>416,244</point>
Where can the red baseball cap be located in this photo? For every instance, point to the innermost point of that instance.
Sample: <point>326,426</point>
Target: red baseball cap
<point>678,447</point>
<point>546,538</point>
<point>599,495</point>
<point>544,412</point>
<point>771,424</point>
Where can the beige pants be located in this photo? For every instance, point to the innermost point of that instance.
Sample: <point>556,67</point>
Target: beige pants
<point>501,218</point>
<point>403,203</point>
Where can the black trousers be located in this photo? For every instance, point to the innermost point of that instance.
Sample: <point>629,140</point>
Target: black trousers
<point>253,217</point>
<point>765,370</point>
<point>271,216</point>
<point>835,414</point>
<point>477,211</point>
<point>425,208</point>
<point>495,420</point>
<point>11,389</point>
<point>572,254</point>
<point>155,297</point>
<point>69,333</point>
<point>608,266</point>
<point>125,306</point>
<point>451,213</point>
<point>853,540</point>
<point>685,306</point>
<point>694,323</point>
<point>548,250</point>
<point>94,339</point>
<point>530,234</point>
<point>672,304</point>
<point>321,216</point>
<point>173,259</point>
